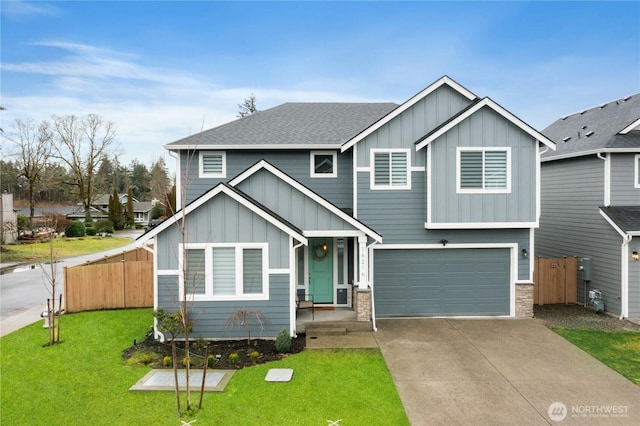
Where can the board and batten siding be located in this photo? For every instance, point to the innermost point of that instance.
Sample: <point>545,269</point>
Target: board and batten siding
<point>211,317</point>
<point>571,224</point>
<point>623,190</point>
<point>418,120</point>
<point>223,220</point>
<point>484,129</point>
<point>295,163</point>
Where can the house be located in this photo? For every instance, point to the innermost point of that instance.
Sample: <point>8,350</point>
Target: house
<point>427,208</point>
<point>591,200</point>
<point>100,209</point>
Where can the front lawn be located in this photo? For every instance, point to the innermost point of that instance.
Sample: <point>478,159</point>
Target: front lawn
<point>619,351</point>
<point>62,247</point>
<point>85,381</point>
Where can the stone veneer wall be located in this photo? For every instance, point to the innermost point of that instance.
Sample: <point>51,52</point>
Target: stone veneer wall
<point>524,300</point>
<point>362,304</point>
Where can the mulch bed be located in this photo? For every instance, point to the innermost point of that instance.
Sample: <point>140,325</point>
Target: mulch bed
<point>219,349</point>
<point>579,317</point>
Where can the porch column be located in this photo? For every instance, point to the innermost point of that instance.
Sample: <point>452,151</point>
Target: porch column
<point>363,263</point>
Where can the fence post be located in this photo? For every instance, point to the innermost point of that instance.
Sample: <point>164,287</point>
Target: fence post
<point>64,276</point>
<point>124,282</point>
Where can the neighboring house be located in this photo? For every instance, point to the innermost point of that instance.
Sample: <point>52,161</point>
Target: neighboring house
<point>422,209</point>
<point>591,199</point>
<point>100,209</point>
<point>8,219</point>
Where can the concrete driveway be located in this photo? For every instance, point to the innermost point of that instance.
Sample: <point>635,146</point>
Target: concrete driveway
<point>500,371</point>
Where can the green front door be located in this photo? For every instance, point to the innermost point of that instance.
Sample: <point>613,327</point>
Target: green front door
<point>321,269</point>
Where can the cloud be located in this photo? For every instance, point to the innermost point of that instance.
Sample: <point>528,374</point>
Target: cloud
<point>20,10</point>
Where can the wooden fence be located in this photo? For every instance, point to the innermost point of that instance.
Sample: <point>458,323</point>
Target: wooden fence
<point>555,280</point>
<point>121,281</point>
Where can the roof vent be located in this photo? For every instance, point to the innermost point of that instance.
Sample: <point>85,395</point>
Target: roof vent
<point>565,117</point>
<point>627,98</point>
<point>583,112</point>
<point>589,133</point>
<point>566,139</point>
<point>603,105</point>
<point>584,127</point>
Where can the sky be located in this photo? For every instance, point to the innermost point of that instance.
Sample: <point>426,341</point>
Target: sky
<point>163,70</point>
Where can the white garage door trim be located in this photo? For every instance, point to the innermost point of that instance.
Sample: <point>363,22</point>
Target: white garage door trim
<point>513,268</point>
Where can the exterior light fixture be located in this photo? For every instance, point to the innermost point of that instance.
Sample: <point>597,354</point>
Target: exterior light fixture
<point>443,242</point>
<point>635,256</point>
<point>525,253</point>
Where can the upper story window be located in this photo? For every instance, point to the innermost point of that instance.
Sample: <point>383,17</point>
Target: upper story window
<point>213,164</point>
<point>483,170</point>
<point>637,175</point>
<point>324,164</point>
<point>225,271</point>
<point>390,169</point>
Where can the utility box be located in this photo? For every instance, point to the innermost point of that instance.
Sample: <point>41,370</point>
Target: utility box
<point>584,268</point>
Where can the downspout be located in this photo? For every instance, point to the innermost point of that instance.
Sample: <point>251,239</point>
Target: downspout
<point>373,305</point>
<point>624,251</point>
<point>294,287</point>
<point>607,178</point>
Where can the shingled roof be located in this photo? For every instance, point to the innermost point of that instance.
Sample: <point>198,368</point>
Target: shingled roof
<point>596,130</point>
<point>627,218</point>
<point>291,125</point>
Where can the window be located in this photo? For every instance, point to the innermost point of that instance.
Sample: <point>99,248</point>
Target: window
<point>225,271</point>
<point>637,175</point>
<point>390,169</point>
<point>324,164</point>
<point>213,165</point>
<point>484,170</point>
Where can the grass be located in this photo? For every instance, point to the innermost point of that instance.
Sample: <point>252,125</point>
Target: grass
<point>84,381</point>
<point>619,351</point>
<point>62,247</point>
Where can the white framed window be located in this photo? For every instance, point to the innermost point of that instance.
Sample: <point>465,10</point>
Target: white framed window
<point>637,173</point>
<point>324,164</point>
<point>224,271</point>
<point>213,164</point>
<point>483,170</point>
<point>390,169</point>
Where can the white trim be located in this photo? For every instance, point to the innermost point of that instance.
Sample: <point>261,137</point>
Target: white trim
<point>372,169</point>
<point>363,169</point>
<point>208,267</point>
<point>590,152</point>
<point>429,180</point>
<point>334,234</point>
<point>293,287</point>
<point>310,145</point>
<point>279,271</point>
<point>497,108</point>
<point>607,180</point>
<point>612,223</point>
<point>479,225</point>
<point>417,168</point>
<point>513,258</point>
<point>354,181</point>
<point>167,272</point>
<point>636,181</point>
<point>201,172</point>
<point>406,105</point>
<point>538,183</point>
<point>312,170</point>
<point>483,190</point>
<point>532,253</point>
<point>624,276</point>
<point>306,191</point>
<point>157,334</point>
<point>630,127</point>
<point>220,188</point>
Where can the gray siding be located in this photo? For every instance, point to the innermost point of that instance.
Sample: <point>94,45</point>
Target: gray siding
<point>224,220</point>
<point>571,225</point>
<point>485,128</point>
<point>421,118</point>
<point>296,164</point>
<point>211,317</point>
<point>290,204</point>
<point>623,191</point>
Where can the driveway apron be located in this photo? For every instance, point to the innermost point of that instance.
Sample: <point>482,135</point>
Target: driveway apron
<point>500,371</point>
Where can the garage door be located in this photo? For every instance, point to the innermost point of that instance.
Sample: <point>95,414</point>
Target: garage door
<point>437,282</point>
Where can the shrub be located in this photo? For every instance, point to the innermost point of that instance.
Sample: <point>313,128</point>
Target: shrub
<point>184,361</point>
<point>105,225</point>
<point>254,356</point>
<point>234,358</point>
<point>283,341</point>
<point>211,361</point>
<point>91,231</point>
<point>23,222</point>
<point>76,229</point>
<point>167,361</point>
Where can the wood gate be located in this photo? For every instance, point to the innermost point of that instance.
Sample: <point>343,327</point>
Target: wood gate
<point>555,280</point>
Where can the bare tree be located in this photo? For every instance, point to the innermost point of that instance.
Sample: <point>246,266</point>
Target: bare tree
<point>247,107</point>
<point>49,276</point>
<point>81,143</point>
<point>33,148</point>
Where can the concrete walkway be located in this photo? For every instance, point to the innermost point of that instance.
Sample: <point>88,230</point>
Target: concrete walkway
<point>500,371</point>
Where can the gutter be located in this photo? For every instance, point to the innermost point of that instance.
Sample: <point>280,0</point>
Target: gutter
<point>373,305</point>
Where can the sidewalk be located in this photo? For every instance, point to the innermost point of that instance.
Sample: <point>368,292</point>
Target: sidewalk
<point>24,318</point>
